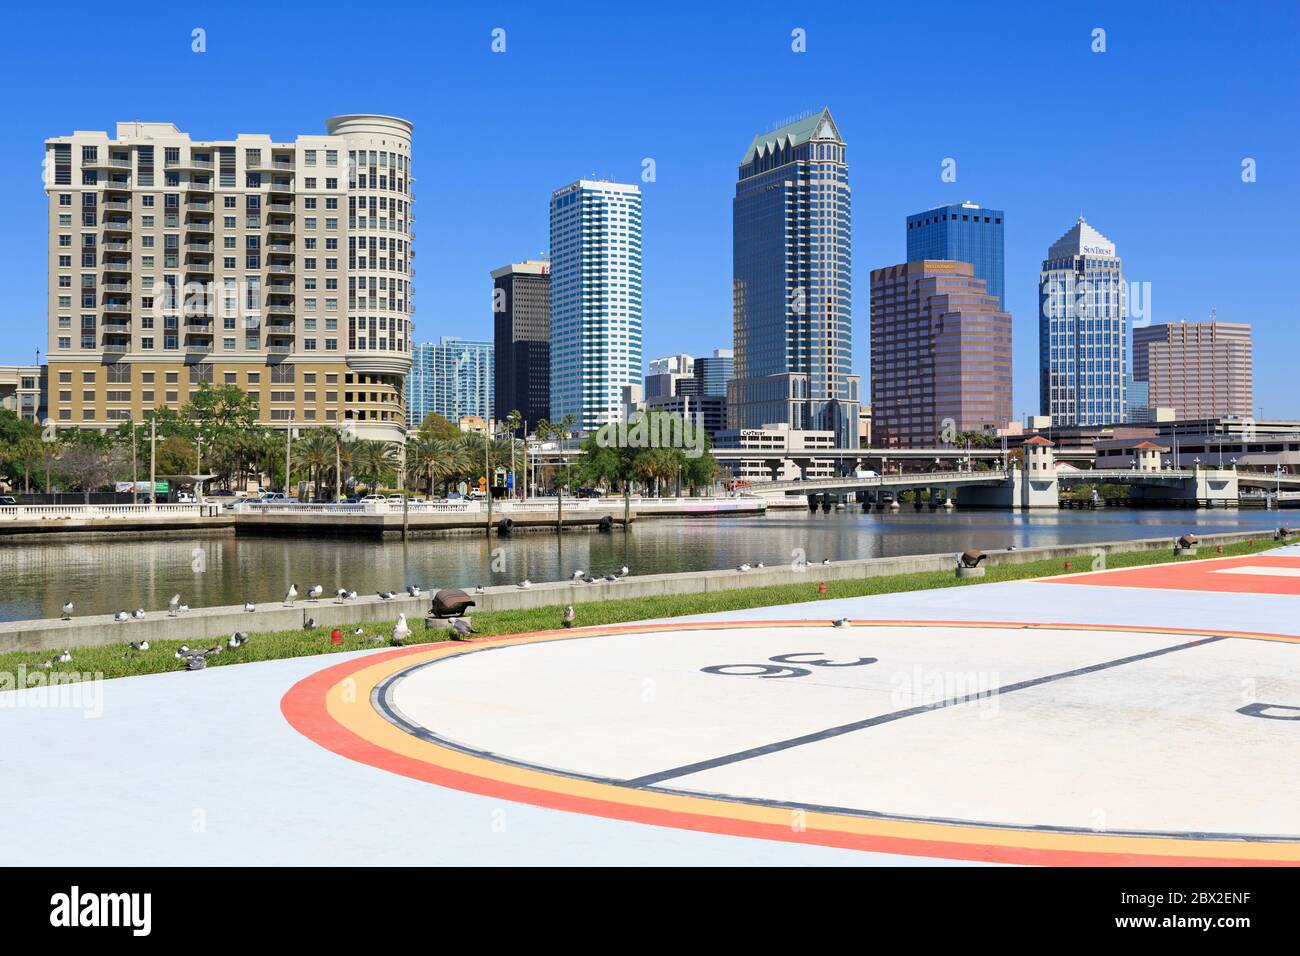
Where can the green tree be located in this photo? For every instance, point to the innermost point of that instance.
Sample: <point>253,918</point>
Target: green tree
<point>435,426</point>
<point>373,461</point>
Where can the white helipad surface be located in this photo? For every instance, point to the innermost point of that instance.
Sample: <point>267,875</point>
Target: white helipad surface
<point>1018,727</point>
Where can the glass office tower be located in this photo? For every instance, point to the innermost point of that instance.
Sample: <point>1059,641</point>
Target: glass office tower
<point>792,310</point>
<point>453,378</point>
<point>1082,330</point>
<point>595,300</point>
<point>963,232</point>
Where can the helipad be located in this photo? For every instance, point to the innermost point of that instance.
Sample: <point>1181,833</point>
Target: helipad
<point>967,740</point>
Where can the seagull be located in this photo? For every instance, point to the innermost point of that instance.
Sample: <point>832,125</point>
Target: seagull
<point>196,661</point>
<point>826,560</point>
<point>138,614</point>
<point>183,608</point>
<point>611,578</point>
<point>359,632</point>
<point>129,656</point>
<point>387,595</point>
<point>46,665</point>
<point>290,595</point>
<point>589,580</point>
<point>215,649</point>
<point>64,658</point>
<point>413,590</point>
<point>400,631</point>
<point>842,622</point>
<point>182,652</point>
<point>478,589</point>
<point>316,592</point>
<point>340,595</point>
<point>121,616</point>
<point>249,606</point>
<point>760,565</point>
<point>352,595</point>
<point>1011,547</point>
<point>463,627</point>
<point>525,584</point>
<point>375,639</point>
<point>310,625</point>
<point>568,616</point>
<point>140,645</point>
<point>67,610</point>
<point>743,567</point>
<point>238,639</point>
<point>173,604</point>
<point>622,572</point>
<point>577,575</point>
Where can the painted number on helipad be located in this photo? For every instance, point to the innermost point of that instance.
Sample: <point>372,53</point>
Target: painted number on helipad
<point>782,667</point>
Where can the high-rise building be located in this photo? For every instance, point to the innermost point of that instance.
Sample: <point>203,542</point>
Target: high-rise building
<point>963,232</point>
<point>665,375</point>
<point>1082,337</point>
<point>453,378</point>
<point>940,354</point>
<point>713,372</point>
<point>595,300</point>
<point>1199,369</point>
<point>23,391</point>
<point>283,268</point>
<point>521,304</point>
<point>791,279</point>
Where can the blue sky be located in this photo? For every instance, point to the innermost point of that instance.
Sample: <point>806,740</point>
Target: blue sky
<point>1146,139</point>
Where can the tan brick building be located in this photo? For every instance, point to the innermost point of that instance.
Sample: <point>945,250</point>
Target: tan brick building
<point>282,268</point>
<point>1199,369</point>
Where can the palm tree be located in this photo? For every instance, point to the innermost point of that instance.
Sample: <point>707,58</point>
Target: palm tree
<point>373,460</point>
<point>315,452</point>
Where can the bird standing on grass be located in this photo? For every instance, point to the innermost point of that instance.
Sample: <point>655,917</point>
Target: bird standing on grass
<point>310,625</point>
<point>400,630</point>
<point>238,639</point>
<point>568,616</point>
<point>462,628</point>
<point>64,658</point>
<point>139,645</point>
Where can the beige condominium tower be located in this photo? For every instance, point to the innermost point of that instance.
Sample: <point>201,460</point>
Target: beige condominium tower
<point>281,267</point>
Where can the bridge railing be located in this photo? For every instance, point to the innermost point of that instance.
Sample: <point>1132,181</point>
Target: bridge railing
<point>906,480</point>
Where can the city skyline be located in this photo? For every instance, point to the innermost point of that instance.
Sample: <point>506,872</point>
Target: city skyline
<point>1140,192</point>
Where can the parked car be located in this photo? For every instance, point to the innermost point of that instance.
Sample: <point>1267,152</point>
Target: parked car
<point>369,498</point>
<point>184,497</point>
<point>8,500</point>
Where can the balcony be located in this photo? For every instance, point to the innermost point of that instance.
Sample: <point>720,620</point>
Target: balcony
<point>200,326</point>
<point>280,308</point>
<point>198,205</point>
<point>116,287</point>
<point>118,185</point>
<point>201,266</point>
<point>280,287</point>
<point>280,164</point>
<point>279,349</point>
<point>280,248</point>
<point>117,308</point>
<point>116,328</point>
<point>198,186</point>
<point>116,205</point>
<point>188,164</point>
<point>116,246</point>
<point>204,248</point>
<point>115,348</point>
<point>117,225</point>
<point>198,348</point>
<point>280,270</point>
<point>199,225</point>
<point>283,228</point>
<point>279,327</point>
<point>115,266</point>
<point>280,187</point>
<point>285,208</point>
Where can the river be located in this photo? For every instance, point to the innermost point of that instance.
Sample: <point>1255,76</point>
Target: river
<point>107,576</point>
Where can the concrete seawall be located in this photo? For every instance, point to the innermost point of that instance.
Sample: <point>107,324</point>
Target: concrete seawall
<point>209,623</point>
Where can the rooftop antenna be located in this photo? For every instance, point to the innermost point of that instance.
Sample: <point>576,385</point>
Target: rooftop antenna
<point>1213,314</point>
